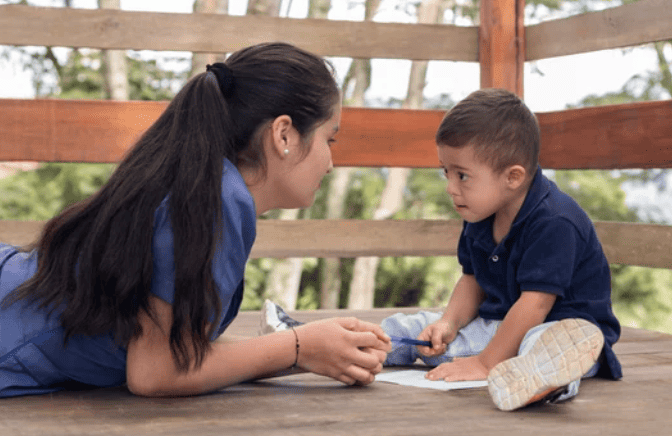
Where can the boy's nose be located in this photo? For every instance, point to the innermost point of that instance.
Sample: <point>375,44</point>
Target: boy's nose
<point>450,189</point>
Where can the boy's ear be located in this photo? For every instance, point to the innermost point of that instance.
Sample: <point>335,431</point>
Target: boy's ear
<point>281,129</point>
<point>515,176</point>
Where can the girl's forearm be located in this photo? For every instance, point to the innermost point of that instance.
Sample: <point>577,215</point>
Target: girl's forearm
<point>226,364</point>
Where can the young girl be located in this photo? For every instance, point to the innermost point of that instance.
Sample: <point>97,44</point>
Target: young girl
<point>134,284</point>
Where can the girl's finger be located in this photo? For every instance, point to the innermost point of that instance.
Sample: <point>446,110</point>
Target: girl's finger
<point>361,375</point>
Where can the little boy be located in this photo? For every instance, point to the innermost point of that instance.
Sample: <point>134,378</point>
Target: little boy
<point>532,310</point>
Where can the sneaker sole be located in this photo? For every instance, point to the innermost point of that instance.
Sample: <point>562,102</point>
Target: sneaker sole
<point>563,353</point>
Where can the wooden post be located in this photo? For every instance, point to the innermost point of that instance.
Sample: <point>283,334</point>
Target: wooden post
<point>502,44</point>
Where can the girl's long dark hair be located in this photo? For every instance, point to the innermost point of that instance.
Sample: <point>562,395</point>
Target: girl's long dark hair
<point>95,258</point>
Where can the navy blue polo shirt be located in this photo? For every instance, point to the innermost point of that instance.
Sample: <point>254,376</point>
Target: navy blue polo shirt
<point>551,247</point>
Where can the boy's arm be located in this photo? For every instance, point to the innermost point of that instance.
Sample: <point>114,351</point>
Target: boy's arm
<point>464,302</point>
<point>461,309</point>
<point>529,311</point>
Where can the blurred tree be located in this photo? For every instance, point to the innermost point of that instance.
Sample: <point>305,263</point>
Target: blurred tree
<point>200,60</point>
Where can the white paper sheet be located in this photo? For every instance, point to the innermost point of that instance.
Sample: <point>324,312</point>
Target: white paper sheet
<point>414,377</point>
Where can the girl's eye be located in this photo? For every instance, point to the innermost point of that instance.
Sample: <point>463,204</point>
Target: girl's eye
<point>462,176</point>
<point>331,142</point>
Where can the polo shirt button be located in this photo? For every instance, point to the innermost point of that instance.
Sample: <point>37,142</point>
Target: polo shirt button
<point>495,258</point>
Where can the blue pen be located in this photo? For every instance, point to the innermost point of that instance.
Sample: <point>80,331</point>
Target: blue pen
<point>409,341</point>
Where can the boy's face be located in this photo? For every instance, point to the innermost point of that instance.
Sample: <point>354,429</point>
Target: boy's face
<point>476,190</point>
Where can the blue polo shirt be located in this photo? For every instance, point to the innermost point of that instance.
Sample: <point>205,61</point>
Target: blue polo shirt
<point>33,359</point>
<point>551,247</point>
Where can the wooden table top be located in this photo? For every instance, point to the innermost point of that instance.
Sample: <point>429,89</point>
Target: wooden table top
<point>639,404</point>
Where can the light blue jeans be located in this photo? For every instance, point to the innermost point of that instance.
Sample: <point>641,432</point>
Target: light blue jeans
<point>470,340</point>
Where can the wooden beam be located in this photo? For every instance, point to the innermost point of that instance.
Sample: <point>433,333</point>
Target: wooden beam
<point>502,44</point>
<point>623,243</point>
<point>72,130</point>
<point>636,243</point>
<point>215,33</point>
<point>637,135</point>
<point>623,26</point>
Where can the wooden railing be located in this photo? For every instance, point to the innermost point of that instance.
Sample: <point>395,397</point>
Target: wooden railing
<point>635,135</point>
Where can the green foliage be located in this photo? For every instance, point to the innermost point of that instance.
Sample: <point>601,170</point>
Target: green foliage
<point>641,297</point>
<point>40,194</point>
<point>598,192</point>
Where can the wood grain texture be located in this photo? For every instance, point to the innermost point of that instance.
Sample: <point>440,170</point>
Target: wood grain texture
<point>623,26</point>
<point>502,45</point>
<point>307,404</point>
<point>623,243</point>
<point>637,135</point>
<point>213,33</point>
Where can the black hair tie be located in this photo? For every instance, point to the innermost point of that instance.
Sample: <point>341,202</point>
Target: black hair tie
<point>224,77</point>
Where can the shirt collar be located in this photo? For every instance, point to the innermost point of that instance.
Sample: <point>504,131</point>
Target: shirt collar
<point>539,189</point>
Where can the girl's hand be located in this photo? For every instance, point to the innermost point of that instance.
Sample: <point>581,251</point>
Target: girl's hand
<point>440,334</point>
<point>346,349</point>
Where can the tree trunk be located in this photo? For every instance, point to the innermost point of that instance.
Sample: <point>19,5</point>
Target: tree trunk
<point>282,285</point>
<point>359,75</point>
<point>331,268</point>
<point>330,272</point>
<point>116,67</point>
<point>200,60</point>
<point>362,288</point>
<point>270,8</point>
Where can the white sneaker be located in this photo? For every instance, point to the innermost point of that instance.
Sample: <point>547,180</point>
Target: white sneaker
<point>563,353</point>
<point>274,319</point>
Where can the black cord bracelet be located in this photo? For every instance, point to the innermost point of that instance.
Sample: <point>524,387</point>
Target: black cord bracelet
<point>296,336</point>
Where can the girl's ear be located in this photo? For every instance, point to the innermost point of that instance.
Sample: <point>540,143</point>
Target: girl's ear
<point>281,130</point>
<point>515,176</point>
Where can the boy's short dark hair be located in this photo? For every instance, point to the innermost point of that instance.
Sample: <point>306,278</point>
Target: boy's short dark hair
<point>500,127</point>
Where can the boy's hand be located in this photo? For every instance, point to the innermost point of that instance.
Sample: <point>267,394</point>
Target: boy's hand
<point>465,369</point>
<point>440,334</point>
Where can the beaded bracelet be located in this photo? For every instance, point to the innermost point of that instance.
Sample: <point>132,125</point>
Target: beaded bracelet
<point>296,336</point>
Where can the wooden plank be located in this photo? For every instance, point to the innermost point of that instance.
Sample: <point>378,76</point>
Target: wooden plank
<point>636,244</point>
<point>72,130</point>
<point>624,243</point>
<point>213,33</point>
<point>354,238</point>
<point>311,405</point>
<point>20,233</point>
<point>636,135</point>
<point>502,44</point>
<point>623,26</point>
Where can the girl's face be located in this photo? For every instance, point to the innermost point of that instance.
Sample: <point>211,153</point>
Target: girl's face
<point>301,182</point>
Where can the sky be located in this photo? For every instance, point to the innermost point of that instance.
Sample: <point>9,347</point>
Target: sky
<point>550,84</point>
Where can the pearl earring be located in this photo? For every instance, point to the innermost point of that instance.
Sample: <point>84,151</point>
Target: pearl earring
<point>286,151</point>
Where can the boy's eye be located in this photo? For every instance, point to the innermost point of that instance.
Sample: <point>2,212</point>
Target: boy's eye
<point>462,176</point>
<point>331,142</point>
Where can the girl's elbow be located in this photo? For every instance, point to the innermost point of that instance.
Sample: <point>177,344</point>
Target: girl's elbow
<point>144,386</point>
